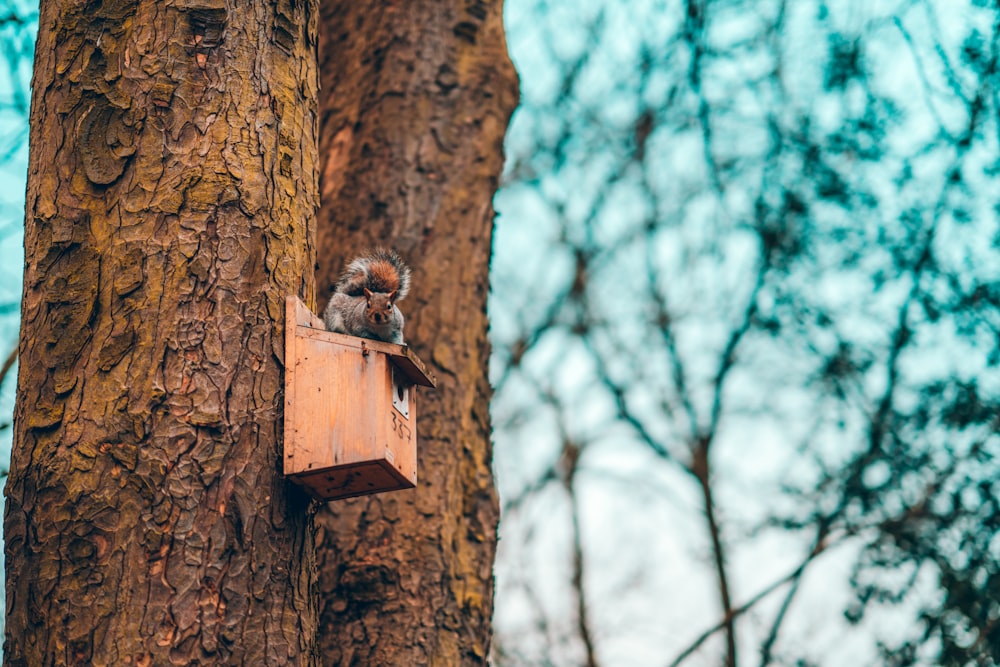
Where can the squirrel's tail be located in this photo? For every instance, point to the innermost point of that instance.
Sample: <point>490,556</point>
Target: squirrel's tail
<point>379,270</point>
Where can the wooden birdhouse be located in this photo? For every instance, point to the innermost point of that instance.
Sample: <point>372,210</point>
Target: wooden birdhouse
<point>350,409</point>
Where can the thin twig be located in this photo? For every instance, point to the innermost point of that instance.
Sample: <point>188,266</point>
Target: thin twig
<point>728,618</point>
<point>772,636</point>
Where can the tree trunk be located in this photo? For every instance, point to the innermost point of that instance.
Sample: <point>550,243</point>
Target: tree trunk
<point>415,101</point>
<point>169,211</point>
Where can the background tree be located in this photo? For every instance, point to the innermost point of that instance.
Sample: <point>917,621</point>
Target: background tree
<point>746,329</point>
<point>170,205</point>
<point>415,102</point>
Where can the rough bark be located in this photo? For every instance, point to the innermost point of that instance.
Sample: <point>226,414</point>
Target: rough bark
<point>415,101</point>
<point>171,193</point>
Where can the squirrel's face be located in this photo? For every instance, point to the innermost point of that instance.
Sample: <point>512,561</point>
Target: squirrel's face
<point>379,306</point>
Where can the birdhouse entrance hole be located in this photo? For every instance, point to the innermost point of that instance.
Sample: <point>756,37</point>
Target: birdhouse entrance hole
<point>400,394</point>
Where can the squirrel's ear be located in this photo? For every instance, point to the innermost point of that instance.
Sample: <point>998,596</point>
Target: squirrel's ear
<point>392,295</point>
<point>368,294</point>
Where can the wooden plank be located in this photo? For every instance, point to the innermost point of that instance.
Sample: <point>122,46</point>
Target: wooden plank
<point>401,355</point>
<point>401,438</point>
<point>300,314</point>
<point>338,395</point>
<point>290,414</point>
<point>413,368</point>
<point>349,481</point>
<point>396,432</point>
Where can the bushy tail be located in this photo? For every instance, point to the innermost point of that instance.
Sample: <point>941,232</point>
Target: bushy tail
<point>379,270</point>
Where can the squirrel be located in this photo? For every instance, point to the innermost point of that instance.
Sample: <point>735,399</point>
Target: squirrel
<point>364,301</point>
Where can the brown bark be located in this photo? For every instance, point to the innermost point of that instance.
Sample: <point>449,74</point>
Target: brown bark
<point>169,211</point>
<point>415,101</point>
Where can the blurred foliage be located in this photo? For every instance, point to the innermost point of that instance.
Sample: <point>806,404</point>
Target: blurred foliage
<point>18,25</point>
<point>747,257</point>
